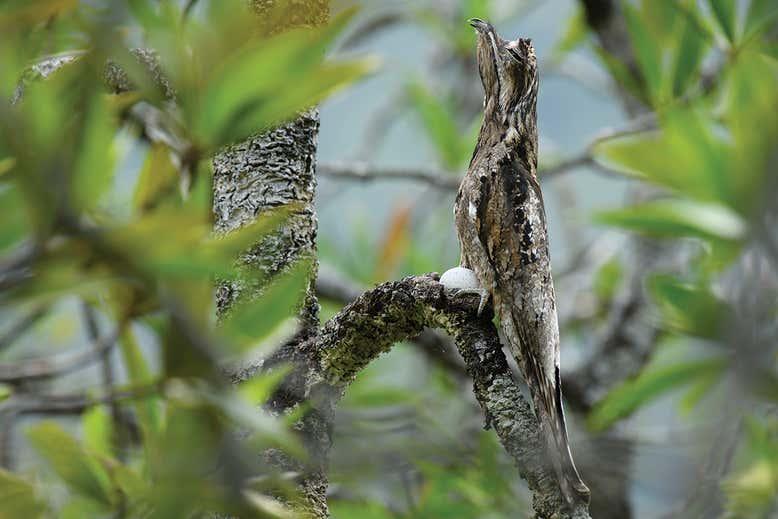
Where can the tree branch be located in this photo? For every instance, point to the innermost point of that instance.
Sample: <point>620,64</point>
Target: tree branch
<point>15,372</point>
<point>400,310</point>
<point>449,180</point>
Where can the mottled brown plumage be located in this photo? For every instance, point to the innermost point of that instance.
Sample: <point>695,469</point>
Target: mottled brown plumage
<point>501,225</point>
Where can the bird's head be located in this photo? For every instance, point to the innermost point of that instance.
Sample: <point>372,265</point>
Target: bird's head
<point>509,74</point>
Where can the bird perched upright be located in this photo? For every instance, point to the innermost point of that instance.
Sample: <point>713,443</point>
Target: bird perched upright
<point>501,225</point>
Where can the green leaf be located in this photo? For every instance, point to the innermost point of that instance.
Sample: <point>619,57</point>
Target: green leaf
<point>97,429</point>
<point>250,322</point>
<point>761,14</point>
<point>267,81</point>
<point>14,225</point>
<point>18,498</point>
<point>94,164</point>
<point>259,388</point>
<point>647,50</point>
<point>725,12</point>
<point>652,383</point>
<point>82,473</point>
<point>158,179</point>
<point>30,12</point>
<point>147,409</point>
<point>751,102</point>
<point>440,125</point>
<point>378,396</point>
<point>575,34</point>
<point>621,74</point>
<point>693,161</point>
<point>689,309</point>
<point>5,391</point>
<point>687,59</point>
<point>80,507</point>
<point>608,279</point>
<point>679,218</point>
<point>659,18</point>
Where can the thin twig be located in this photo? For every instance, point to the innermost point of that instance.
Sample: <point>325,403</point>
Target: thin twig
<point>21,326</point>
<point>72,403</point>
<point>16,372</point>
<point>449,180</point>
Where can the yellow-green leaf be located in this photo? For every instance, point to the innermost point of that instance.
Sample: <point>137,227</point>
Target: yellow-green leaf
<point>649,385</point>
<point>679,218</point>
<point>82,473</point>
<point>18,498</point>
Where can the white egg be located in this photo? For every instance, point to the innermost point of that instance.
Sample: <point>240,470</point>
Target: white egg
<point>460,278</point>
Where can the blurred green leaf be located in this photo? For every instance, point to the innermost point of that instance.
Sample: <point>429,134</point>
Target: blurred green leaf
<point>688,56</point>
<point>725,13</point>
<point>359,510</point>
<point>158,179</point>
<point>440,125</point>
<point>30,12</point>
<point>147,409</point>
<point>98,432</point>
<point>14,225</point>
<point>179,243</point>
<point>5,391</point>
<point>18,498</point>
<point>80,507</point>
<point>93,167</point>
<point>693,160</point>
<point>259,388</point>
<point>751,101</point>
<point>659,18</point>
<point>647,50</point>
<point>575,34</point>
<point>622,75</point>
<point>608,279</point>
<point>653,382</point>
<point>687,308</point>
<point>255,87</point>
<point>378,396</point>
<point>678,218</point>
<point>248,323</point>
<point>751,490</point>
<point>761,13</point>
<point>82,473</point>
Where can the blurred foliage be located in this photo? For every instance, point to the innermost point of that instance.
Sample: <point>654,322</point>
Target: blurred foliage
<point>134,240</point>
<point>706,77</point>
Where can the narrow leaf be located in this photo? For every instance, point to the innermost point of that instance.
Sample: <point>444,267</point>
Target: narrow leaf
<point>439,123</point>
<point>77,469</point>
<point>649,385</point>
<point>250,322</point>
<point>679,218</point>
<point>725,12</point>
<point>689,309</point>
<point>647,50</point>
<point>18,498</point>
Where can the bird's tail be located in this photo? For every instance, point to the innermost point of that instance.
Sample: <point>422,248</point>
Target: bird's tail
<point>547,398</point>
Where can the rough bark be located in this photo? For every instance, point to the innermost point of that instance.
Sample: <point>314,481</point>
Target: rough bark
<point>267,171</point>
<point>400,310</point>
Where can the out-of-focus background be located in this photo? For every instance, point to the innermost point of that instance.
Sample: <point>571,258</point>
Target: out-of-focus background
<point>658,122</point>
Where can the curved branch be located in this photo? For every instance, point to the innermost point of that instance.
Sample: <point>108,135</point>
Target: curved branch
<point>400,310</point>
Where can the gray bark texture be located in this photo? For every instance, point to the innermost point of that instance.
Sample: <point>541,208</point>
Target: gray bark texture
<point>270,170</point>
<point>400,310</point>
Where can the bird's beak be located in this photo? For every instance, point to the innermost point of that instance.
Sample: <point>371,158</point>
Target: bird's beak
<point>478,24</point>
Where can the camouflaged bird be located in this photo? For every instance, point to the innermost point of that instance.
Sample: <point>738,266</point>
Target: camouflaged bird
<point>501,225</point>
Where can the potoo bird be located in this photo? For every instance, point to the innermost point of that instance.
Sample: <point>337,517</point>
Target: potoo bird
<point>501,225</point>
